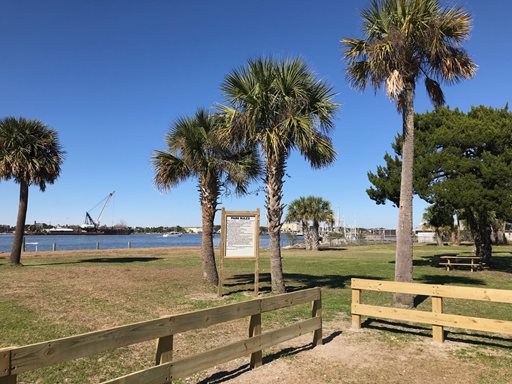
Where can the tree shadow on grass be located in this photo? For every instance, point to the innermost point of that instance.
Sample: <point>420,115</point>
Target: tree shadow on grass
<point>459,336</point>
<point>120,260</point>
<point>501,264</point>
<point>429,261</point>
<point>450,279</point>
<point>104,260</point>
<point>320,249</point>
<point>294,281</point>
<point>222,376</point>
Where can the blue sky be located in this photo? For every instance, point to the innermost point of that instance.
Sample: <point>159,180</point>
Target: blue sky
<point>111,76</point>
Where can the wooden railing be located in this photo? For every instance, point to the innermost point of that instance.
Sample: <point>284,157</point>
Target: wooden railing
<point>16,360</point>
<point>436,317</point>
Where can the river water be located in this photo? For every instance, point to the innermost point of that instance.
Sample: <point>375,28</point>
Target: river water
<point>73,242</point>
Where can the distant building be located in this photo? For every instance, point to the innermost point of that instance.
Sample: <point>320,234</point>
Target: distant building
<point>379,234</point>
<point>193,229</point>
<point>425,235</point>
<point>291,227</point>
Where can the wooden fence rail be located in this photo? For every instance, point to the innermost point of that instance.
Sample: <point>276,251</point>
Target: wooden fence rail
<point>16,360</point>
<point>436,318</point>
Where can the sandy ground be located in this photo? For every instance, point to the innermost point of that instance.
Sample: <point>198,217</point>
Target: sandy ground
<point>363,356</point>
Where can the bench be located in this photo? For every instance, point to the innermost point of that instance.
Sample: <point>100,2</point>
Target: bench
<point>451,261</point>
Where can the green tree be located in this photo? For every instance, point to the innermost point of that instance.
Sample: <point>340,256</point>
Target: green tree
<point>467,162</point>
<point>194,149</point>
<point>386,181</point>
<point>30,154</point>
<point>298,211</point>
<point>319,211</point>
<point>281,106</point>
<point>314,209</point>
<point>404,41</point>
<point>438,216</point>
<point>463,160</point>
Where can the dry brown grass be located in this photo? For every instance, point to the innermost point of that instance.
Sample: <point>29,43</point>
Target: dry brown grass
<point>58,294</point>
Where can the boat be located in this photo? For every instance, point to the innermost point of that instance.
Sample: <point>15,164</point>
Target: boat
<point>92,227</point>
<point>61,231</point>
<point>115,231</point>
<point>172,234</point>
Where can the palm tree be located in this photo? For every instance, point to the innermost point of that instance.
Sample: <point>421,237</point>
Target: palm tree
<point>195,150</point>
<point>404,41</point>
<point>298,212</point>
<point>281,106</point>
<point>319,211</point>
<point>30,154</point>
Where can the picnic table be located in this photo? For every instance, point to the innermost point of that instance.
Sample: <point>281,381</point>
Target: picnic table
<point>451,261</point>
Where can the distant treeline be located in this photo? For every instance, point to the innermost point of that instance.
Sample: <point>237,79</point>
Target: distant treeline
<point>40,227</point>
<point>177,228</point>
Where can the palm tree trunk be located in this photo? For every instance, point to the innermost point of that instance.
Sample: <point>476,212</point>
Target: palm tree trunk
<point>274,180</point>
<point>453,237</point>
<point>305,234</point>
<point>20,225</point>
<point>208,208</point>
<point>502,238</point>
<point>439,237</point>
<point>315,241</point>
<point>404,236</point>
<point>458,230</point>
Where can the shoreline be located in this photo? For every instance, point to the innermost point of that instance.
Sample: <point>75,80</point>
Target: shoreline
<point>33,254</point>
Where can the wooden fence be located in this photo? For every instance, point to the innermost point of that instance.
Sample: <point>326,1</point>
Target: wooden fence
<point>16,360</point>
<point>436,317</point>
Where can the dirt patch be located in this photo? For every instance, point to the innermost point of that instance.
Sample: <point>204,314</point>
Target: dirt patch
<point>353,357</point>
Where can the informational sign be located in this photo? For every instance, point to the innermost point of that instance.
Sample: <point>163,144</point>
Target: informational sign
<point>240,239</point>
<point>241,233</point>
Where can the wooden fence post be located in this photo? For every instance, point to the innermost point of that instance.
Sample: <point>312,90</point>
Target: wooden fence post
<point>164,349</point>
<point>54,247</point>
<point>97,245</point>
<point>316,311</point>
<point>255,330</point>
<point>5,368</point>
<point>356,299</point>
<point>437,330</point>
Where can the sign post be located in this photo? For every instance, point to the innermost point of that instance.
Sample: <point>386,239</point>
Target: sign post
<point>240,240</point>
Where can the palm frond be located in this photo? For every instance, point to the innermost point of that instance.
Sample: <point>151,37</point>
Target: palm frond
<point>434,92</point>
<point>320,152</point>
<point>169,170</point>
<point>29,151</point>
<point>394,85</point>
<point>197,148</point>
<point>406,39</point>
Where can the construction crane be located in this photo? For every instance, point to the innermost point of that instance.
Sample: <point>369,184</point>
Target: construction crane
<point>91,225</point>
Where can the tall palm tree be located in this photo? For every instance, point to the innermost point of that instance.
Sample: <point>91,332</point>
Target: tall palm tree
<point>280,105</point>
<point>30,153</point>
<point>406,40</point>
<point>195,150</point>
<point>319,211</point>
<point>298,212</point>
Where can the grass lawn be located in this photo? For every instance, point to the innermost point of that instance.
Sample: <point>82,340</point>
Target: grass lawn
<point>64,293</point>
